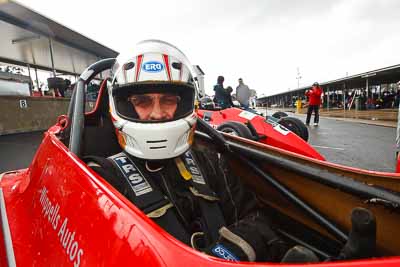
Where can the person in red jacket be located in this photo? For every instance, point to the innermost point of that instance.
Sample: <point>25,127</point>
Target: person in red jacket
<point>314,102</point>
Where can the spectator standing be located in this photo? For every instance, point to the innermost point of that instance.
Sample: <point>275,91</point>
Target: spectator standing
<point>253,98</point>
<point>220,94</point>
<point>40,93</point>
<point>51,92</point>
<point>61,92</point>
<point>314,102</point>
<point>397,97</point>
<point>228,96</point>
<point>370,104</point>
<point>243,94</point>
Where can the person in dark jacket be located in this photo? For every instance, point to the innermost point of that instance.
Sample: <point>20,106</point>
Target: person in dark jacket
<point>220,97</point>
<point>314,96</point>
<point>228,96</point>
<point>189,190</point>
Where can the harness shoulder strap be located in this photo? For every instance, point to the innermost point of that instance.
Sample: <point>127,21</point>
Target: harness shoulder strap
<point>208,200</point>
<point>143,193</point>
<point>141,190</point>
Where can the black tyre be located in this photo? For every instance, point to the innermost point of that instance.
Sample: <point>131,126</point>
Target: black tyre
<point>279,114</point>
<point>296,126</point>
<point>236,128</point>
<point>67,82</point>
<point>56,83</point>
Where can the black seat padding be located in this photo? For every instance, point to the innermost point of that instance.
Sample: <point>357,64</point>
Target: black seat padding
<point>99,138</point>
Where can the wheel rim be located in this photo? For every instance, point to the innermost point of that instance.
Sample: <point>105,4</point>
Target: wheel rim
<point>231,132</point>
<point>292,128</point>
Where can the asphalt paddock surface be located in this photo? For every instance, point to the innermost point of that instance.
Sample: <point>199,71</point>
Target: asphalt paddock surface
<point>353,144</point>
<point>364,146</point>
<point>17,150</point>
<point>347,143</point>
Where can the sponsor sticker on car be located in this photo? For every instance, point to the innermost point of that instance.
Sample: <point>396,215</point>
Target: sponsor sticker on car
<point>281,129</point>
<point>222,252</point>
<point>247,115</point>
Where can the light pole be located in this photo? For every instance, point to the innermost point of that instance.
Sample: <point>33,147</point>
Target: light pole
<point>298,78</point>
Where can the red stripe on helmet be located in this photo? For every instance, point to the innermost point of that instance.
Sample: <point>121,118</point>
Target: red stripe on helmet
<point>113,119</point>
<point>139,66</point>
<point>166,62</point>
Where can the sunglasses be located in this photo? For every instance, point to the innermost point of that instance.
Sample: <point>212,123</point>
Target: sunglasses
<point>147,101</point>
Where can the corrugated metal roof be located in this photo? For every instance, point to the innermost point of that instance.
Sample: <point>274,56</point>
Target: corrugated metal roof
<point>390,74</point>
<point>19,15</point>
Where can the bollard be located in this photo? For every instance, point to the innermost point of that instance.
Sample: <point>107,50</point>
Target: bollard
<point>298,106</point>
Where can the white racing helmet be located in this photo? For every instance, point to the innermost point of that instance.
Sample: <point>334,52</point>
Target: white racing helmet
<point>156,71</point>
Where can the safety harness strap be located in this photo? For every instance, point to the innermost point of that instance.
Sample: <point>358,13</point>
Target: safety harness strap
<point>147,196</point>
<point>144,194</point>
<point>208,200</point>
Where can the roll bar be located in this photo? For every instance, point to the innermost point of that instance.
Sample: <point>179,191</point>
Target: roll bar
<point>77,105</point>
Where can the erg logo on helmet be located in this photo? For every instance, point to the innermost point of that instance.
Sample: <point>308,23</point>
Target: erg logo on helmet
<point>152,66</point>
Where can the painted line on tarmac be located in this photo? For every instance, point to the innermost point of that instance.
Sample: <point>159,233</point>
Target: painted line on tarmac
<point>328,147</point>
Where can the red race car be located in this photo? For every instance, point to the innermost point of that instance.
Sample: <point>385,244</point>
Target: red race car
<point>59,212</point>
<point>287,133</point>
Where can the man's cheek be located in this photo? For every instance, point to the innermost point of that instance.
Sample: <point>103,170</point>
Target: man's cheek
<point>169,112</point>
<point>170,115</point>
<point>142,114</point>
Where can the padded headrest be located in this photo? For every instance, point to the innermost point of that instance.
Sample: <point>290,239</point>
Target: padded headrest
<point>101,107</point>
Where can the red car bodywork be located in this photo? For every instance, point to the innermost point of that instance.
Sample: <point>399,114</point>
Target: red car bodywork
<point>58,212</point>
<point>276,135</point>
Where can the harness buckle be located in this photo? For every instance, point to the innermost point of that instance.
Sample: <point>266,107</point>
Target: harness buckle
<point>196,193</point>
<point>160,211</point>
<point>197,240</point>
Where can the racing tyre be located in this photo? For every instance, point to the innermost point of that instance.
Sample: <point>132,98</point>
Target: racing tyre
<point>296,126</point>
<point>56,83</point>
<point>279,114</point>
<point>67,82</point>
<point>236,128</point>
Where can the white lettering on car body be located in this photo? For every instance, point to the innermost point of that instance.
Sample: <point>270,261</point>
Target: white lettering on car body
<point>66,237</point>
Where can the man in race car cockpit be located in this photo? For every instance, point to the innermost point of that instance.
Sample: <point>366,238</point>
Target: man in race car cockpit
<point>193,195</point>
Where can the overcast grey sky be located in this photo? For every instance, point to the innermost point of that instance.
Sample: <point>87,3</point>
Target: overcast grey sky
<point>262,41</point>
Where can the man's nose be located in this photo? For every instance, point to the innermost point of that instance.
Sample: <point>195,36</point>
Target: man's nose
<point>157,112</point>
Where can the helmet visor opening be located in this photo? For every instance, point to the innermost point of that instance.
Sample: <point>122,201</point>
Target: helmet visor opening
<point>150,102</point>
